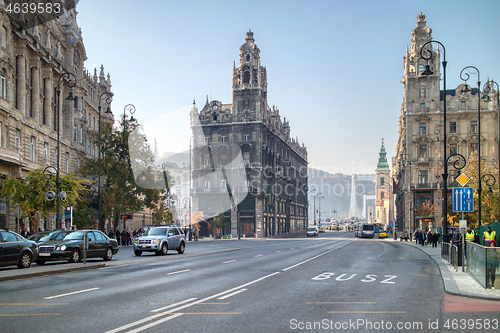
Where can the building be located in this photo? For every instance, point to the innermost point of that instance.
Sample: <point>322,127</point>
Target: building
<point>418,165</point>
<point>34,55</point>
<point>383,189</point>
<point>274,163</point>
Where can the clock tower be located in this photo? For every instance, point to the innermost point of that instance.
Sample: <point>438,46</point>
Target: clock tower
<point>249,84</point>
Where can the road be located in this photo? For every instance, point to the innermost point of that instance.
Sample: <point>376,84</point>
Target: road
<point>334,282</point>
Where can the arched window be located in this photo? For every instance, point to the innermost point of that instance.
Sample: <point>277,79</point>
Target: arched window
<point>3,84</point>
<point>248,57</point>
<point>246,77</point>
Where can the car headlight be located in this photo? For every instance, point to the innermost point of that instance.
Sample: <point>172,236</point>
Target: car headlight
<point>63,247</point>
<point>136,241</point>
<point>157,240</point>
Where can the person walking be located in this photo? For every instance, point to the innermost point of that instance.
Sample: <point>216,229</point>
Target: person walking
<point>489,236</point>
<point>118,236</point>
<point>492,265</point>
<point>429,237</point>
<point>417,236</point>
<point>422,240</point>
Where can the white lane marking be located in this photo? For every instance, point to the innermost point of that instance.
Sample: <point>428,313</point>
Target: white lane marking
<point>319,255</point>
<point>259,255</point>
<point>156,323</point>
<point>73,293</point>
<point>232,294</point>
<point>292,248</point>
<point>382,252</point>
<point>186,270</point>
<point>278,251</point>
<point>119,329</point>
<point>227,262</point>
<point>115,266</point>
<point>175,304</point>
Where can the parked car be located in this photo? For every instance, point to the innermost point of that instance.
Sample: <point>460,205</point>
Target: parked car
<point>71,247</point>
<point>160,240</point>
<point>49,235</point>
<point>35,237</point>
<point>311,231</point>
<point>16,250</point>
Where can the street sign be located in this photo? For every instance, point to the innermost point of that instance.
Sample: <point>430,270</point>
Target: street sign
<point>463,179</point>
<point>463,199</point>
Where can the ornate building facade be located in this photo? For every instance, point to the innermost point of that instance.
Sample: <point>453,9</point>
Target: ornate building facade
<point>33,58</point>
<point>418,164</point>
<point>275,164</point>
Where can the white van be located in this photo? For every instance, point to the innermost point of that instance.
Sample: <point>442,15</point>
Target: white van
<point>312,230</point>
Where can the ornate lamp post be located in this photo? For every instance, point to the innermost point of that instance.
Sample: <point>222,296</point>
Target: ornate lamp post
<point>408,162</point>
<point>464,75</point>
<point>71,82</point>
<point>487,89</point>
<point>427,71</point>
<point>108,98</point>
<point>315,207</point>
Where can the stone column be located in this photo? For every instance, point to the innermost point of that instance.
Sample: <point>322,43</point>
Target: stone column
<point>21,84</point>
<point>35,95</point>
<point>47,105</point>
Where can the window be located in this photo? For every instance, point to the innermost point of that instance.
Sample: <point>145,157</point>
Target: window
<point>206,159</point>
<point>3,85</point>
<point>382,181</point>
<point>453,149</point>
<point>422,151</point>
<point>75,103</point>
<point>473,147</point>
<point>18,138</point>
<point>207,140</point>
<point>462,103</point>
<point>75,134</point>
<point>246,137</point>
<point>473,126</point>
<point>422,176</point>
<point>453,127</point>
<point>1,136</point>
<point>382,194</point>
<point>248,57</point>
<point>222,183</point>
<point>32,149</point>
<point>81,134</point>
<point>67,162</point>
<point>422,105</point>
<point>246,155</point>
<point>423,128</point>
<point>246,77</point>
<point>206,183</point>
<point>223,158</point>
<point>78,162</point>
<point>422,94</point>
<point>223,138</point>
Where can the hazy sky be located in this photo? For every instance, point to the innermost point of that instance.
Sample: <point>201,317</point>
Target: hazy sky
<point>334,67</point>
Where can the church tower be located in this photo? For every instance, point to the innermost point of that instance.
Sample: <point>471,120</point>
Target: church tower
<point>249,83</point>
<point>382,175</point>
<point>421,91</point>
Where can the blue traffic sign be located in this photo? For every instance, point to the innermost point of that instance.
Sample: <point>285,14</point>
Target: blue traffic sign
<point>463,199</point>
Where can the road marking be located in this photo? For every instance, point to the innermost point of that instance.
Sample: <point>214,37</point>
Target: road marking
<point>210,313</point>
<point>232,294</point>
<point>341,302</point>
<point>292,248</point>
<point>115,266</point>
<point>366,312</point>
<point>34,303</point>
<point>382,252</point>
<point>172,305</point>
<point>186,270</point>
<point>156,316</point>
<point>227,262</point>
<point>197,303</point>
<point>259,255</point>
<point>278,251</point>
<point>29,314</point>
<point>73,293</point>
<point>319,255</point>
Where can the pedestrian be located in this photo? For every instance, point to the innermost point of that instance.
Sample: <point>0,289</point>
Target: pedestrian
<point>492,265</point>
<point>489,236</point>
<point>111,234</point>
<point>422,240</point>
<point>405,235</point>
<point>438,236</point>
<point>128,237</point>
<point>118,236</point>
<point>417,236</point>
<point>434,239</point>
<point>429,236</point>
<point>134,234</point>
<point>470,234</point>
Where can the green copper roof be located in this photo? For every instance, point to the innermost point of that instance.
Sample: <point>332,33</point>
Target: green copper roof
<point>382,160</point>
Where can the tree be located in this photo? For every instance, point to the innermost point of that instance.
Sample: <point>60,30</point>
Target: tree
<point>196,218</point>
<point>217,223</point>
<point>162,215</point>
<point>123,190</point>
<point>29,194</point>
<point>427,209</point>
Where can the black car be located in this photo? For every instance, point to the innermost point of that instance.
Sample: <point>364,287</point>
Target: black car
<point>71,247</point>
<point>35,237</point>
<point>16,250</point>
<point>53,235</point>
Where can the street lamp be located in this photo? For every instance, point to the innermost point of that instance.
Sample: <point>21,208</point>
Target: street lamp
<point>131,109</point>
<point>427,71</point>
<point>315,207</point>
<point>108,97</point>
<point>71,82</point>
<point>490,181</point>
<point>487,89</point>
<point>408,162</point>
<point>465,76</point>
<point>314,212</point>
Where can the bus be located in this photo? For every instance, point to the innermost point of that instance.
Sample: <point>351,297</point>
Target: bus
<point>377,226</point>
<point>364,230</point>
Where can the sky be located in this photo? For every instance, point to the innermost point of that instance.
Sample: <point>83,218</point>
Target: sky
<point>334,68</point>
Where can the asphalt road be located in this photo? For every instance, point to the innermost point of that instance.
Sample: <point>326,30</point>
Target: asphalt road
<point>334,282</point>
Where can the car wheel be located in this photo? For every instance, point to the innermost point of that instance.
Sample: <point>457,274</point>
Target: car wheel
<point>109,254</point>
<point>75,256</point>
<point>137,253</point>
<point>181,248</point>
<point>24,260</point>
<point>40,262</point>
<point>164,249</point>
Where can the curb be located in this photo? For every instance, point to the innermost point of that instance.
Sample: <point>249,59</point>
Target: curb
<point>51,272</point>
<point>446,284</point>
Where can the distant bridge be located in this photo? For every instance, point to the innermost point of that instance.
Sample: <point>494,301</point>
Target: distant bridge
<point>353,209</point>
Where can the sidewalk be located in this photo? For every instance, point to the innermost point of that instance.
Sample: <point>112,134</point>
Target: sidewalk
<point>455,282</point>
<point>14,273</point>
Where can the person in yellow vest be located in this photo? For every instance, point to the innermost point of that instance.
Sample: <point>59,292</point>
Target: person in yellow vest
<point>489,236</point>
<point>470,234</point>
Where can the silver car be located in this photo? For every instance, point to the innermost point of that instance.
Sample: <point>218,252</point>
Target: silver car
<point>160,240</point>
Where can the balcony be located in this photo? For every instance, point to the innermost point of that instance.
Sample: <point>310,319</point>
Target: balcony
<point>424,186</point>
